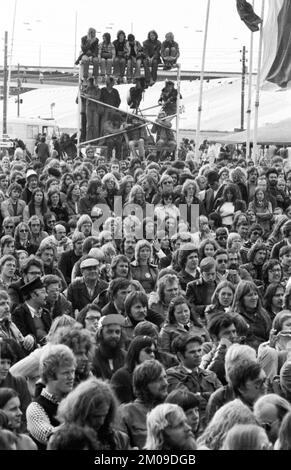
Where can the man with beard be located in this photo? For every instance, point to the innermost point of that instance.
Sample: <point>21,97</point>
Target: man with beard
<point>48,255</point>
<point>272,180</point>
<point>109,356</point>
<point>188,374</point>
<point>257,256</point>
<point>168,429</point>
<point>84,290</point>
<point>150,387</point>
<point>128,247</point>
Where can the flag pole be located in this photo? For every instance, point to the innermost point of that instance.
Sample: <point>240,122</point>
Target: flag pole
<point>257,102</point>
<point>201,84</point>
<point>249,110</point>
<point>178,109</point>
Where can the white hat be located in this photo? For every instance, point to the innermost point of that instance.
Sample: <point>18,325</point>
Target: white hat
<point>88,263</point>
<point>30,173</point>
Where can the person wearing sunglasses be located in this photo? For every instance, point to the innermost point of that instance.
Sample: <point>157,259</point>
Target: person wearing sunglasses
<point>142,348</point>
<point>269,411</point>
<point>23,239</point>
<point>255,235</point>
<point>8,226</point>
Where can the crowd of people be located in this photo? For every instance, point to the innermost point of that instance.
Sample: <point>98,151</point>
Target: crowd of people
<point>125,56</point>
<point>145,304</point>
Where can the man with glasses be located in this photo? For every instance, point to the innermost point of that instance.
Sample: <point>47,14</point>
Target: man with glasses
<point>56,303</point>
<point>84,290</point>
<point>221,258</point>
<point>32,268</point>
<point>221,235</point>
<point>8,226</point>
<point>30,317</point>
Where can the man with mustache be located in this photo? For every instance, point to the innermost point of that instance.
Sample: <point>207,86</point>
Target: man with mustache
<point>109,355</point>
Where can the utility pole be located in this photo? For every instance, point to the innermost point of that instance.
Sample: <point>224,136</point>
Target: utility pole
<point>18,90</point>
<point>243,84</point>
<point>5,83</point>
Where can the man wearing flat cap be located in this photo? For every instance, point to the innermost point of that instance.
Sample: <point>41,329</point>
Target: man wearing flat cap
<point>109,355</point>
<point>30,317</point>
<point>84,290</point>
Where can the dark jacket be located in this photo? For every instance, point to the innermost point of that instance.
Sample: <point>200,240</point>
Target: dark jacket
<point>15,294</point>
<point>209,201</point>
<point>79,296</point>
<point>24,321</point>
<point>185,278</point>
<point>197,295</point>
<point>66,264</point>
<point>101,367</point>
<point>109,309</point>
<point>136,272</point>
<point>121,383</point>
<point>203,382</point>
<point>219,398</point>
<point>131,419</point>
<point>61,307</point>
<point>88,48</point>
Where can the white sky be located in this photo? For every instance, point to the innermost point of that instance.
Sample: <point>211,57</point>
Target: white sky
<point>45,30</point>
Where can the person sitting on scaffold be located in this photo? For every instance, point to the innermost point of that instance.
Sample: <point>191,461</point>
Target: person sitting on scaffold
<point>168,98</point>
<point>135,93</point>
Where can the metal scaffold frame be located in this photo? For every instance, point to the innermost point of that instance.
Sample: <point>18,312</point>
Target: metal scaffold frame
<point>145,121</point>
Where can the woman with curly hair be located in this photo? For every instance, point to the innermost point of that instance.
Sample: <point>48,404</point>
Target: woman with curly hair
<point>263,210</point>
<point>36,206</point>
<point>229,204</point>
<point>66,181</point>
<point>136,198</point>
<point>207,248</point>
<point>93,404</point>
<point>111,189</point>
<point>125,186</point>
<point>94,196</point>
<point>238,177</point>
<point>247,302</point>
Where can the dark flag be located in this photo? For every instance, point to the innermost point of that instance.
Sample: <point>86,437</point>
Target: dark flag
<point>247,15</point>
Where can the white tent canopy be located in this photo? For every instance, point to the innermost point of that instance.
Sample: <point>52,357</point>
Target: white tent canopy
<point>221,104</point>
<point>279,133</point>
